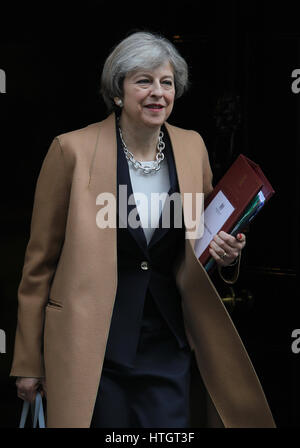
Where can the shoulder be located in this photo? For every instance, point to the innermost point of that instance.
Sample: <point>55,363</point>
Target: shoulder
<point>78,137</point>
<point>191,139</point>
<point>79,133</point>
<point>82,141</point>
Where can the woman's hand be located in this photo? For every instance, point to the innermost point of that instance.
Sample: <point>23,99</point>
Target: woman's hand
<point>225,248</point>
<point>28,387</point>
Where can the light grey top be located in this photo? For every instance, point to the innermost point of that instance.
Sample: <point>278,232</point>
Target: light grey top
<point>146,189</point>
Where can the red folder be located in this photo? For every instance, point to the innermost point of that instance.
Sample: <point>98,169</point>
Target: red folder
<point>243,180</point>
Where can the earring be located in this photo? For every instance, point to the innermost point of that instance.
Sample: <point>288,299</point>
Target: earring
<point>119,102</point>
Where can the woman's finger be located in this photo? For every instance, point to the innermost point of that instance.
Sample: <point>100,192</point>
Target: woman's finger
<point>241,237</point>
<point>237,242</point>
<point>22,396</point>
<point>217,257</point>
<point>224,251</point>
<point>28,395</point>
<point>225,243</point>
<point>27,388</point>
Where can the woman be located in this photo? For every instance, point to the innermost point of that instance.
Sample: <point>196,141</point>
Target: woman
<point>112,304</point>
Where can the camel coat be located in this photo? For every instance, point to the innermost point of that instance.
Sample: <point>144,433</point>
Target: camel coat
<point>69,280</point>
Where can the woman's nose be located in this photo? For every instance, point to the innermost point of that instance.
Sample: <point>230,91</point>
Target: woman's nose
<point>156,89</point>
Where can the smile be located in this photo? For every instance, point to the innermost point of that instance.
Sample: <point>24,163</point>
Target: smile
<point>154,106</point>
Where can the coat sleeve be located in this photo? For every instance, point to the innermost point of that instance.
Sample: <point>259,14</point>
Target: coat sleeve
<point>47,230</point>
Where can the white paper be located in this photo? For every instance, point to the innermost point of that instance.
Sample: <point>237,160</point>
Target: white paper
<point>215,216</point>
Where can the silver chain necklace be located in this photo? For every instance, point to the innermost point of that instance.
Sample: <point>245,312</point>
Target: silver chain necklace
<point>136,164</point>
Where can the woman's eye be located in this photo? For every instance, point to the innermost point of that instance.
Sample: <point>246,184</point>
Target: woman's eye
<point>166,82</point>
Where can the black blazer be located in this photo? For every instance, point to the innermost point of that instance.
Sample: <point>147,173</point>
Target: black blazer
<point>134,283</point>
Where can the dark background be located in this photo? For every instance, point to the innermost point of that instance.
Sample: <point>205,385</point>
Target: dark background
<point>241,55</point>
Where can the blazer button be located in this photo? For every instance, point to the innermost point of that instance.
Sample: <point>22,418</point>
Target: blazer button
<point>144,265</point>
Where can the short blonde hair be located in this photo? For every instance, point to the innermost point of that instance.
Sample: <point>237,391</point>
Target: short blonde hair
<point>141,50</point>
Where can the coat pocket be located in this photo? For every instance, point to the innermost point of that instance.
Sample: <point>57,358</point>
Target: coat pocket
<point>52,303</point>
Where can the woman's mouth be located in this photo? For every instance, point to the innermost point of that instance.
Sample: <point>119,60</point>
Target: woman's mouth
<point>154,107</point>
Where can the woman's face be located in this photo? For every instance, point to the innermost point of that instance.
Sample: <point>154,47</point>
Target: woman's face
<point>149,96</point>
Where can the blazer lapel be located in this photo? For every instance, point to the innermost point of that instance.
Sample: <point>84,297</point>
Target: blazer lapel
<point>161,231</point>
<point>127,198</point>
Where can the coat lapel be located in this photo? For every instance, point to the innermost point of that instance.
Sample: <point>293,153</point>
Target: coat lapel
<point>123,180</point>
<point>189,179</point>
